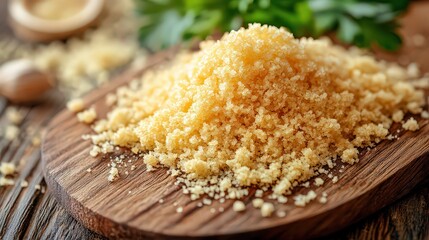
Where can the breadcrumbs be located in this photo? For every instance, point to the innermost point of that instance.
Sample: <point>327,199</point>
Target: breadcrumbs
<point>411,125</point>
<point>267,209</point>
<point>76,105</point>
<point>318,182</point>
<point>88,116</point>
<point>7,168</point>
<point>113,174</point>
<point>258,108</point>
<point>6,181</point>
<point>257,202</point>
<point>11,132</point>
<point>302,200</point>
<point>14,116</point>
<point>238,206</point>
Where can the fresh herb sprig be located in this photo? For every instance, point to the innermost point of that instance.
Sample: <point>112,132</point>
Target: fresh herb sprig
<point>364,23</point>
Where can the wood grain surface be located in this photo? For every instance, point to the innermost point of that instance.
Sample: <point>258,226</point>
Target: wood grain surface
<point>28,213</point>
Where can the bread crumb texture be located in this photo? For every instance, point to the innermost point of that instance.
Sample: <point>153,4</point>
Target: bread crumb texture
<point>258,108</point>
<point>88,116</point>
<point>76,105</point>
<point>7,168</point>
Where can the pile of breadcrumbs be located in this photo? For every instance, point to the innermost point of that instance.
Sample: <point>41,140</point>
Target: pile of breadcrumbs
<point>257,108</point>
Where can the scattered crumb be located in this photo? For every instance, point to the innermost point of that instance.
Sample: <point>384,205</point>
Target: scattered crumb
<point>212,210</point>
<point>425,115</point>
<point>259,193</point>
<point>89,170</point>
<point>24,183</point>
<point>14,116</point>
<point>76,105</point>
<point>282,199</point>
<point>398,116</point>
<point>335,179</point>
<point>87,116</point>
<point>161,201</point>
<point>179,209</point>
<point>207,201</point>
<point>37,187</point>
<point>267,209</point>
<point>318,182</point>
<point>411,125</point>
<point>257,202</point>
<point>6,181</point>
<point>221,209</point>
<point>302,200</point>
<point>7,168</point>
<point>306,184</point>
<point>35,141</point>
<point>238,206</point>
<point>11,132</point>
<point>113,174</point>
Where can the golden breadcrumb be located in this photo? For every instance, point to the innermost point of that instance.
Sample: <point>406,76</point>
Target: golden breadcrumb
<point>258,108</point>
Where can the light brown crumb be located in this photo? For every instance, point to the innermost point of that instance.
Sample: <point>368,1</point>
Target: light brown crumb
<point>238,206</point>
<point>302,200</point>
<point>335,179</point>
<point>89,170</point>
<point>24,184</point>
<point>282,199</point>
<point>267,209</point>
<point>207,201</point>
<point>318,182</point>
<point>323,199</point>
<point>6,181</point>
<point>14,116</point>
<point>76,105</point>
<point>425,115</point>
<point>7,168</point>
<point>88,116</point>
<point>221,209</point>
<point>113,174</point>
<point>212,210</point>
<point>110,99</point>
<point>37,187</point>
<point>411,125</point>
<point>257,202</point>
<point>161,201</point>
<point>35,141</point>
<point>11,132</point>
<point>398,116</point>
<point>259,193</point>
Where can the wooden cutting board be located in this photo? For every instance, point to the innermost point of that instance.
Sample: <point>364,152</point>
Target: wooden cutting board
<point>129,207</point>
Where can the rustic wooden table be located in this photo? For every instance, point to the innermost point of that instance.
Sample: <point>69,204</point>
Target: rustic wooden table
<point>31,214</point>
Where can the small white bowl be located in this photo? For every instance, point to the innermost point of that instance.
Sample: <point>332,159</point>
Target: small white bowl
<point>32,28</point>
